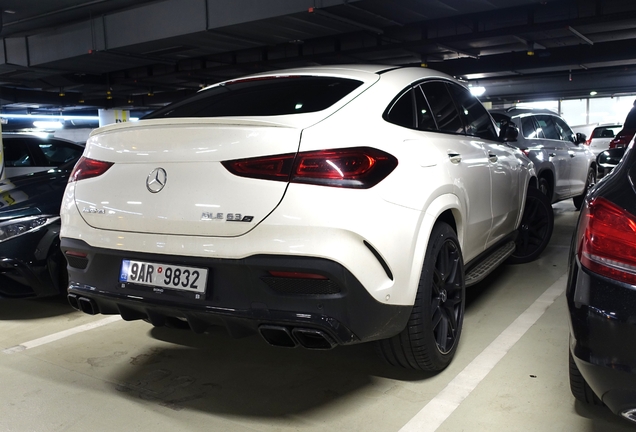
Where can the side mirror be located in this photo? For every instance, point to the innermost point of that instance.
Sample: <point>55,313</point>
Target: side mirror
<point>510,133</point>
<point>580,138</point>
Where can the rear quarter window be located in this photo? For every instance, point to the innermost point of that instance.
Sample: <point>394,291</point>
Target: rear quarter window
<point>262,97</point>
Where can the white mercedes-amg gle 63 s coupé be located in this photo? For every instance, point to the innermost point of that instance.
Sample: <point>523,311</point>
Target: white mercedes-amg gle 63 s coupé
<point>316,206</point>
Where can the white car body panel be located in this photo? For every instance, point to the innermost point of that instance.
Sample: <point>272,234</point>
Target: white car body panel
<point>196,183</point>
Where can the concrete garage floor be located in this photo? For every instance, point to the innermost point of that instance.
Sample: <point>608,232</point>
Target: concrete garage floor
<point>128,376</point>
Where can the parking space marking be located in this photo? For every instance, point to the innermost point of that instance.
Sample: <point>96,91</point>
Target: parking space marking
<point>442,406</point>
<point>61,335</point>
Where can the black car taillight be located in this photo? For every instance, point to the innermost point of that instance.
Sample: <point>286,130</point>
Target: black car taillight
<point>359,167</point>
<point>86,168</point>
<point>607,240</point>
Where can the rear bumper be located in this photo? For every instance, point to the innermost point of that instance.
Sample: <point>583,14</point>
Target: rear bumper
<point>603,335</point>
<point>240,295</point>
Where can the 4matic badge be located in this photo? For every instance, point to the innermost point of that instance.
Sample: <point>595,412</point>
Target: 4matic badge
<point>229,217</point>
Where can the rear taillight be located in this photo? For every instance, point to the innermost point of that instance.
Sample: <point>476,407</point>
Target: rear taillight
<point>359,167</point>
<point>86,168</point>
<point>607,241</point>
<point>588,141</point>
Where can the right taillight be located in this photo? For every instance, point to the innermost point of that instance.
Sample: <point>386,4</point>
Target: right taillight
<point>607,240</point>
<point>86,168</point>
<point>357,167</point>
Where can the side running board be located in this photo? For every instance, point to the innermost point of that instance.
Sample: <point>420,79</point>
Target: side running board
<point>488,264</point>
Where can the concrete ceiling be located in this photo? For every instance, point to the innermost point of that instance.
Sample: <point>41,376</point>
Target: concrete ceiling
<point>145,53</point>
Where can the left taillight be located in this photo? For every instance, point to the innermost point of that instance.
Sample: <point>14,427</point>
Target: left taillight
<point>607,240</point>
<point>358,167</point>
<point>87,168</point>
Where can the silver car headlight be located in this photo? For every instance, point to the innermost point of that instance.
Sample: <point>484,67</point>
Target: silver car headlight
<point>16,227</point>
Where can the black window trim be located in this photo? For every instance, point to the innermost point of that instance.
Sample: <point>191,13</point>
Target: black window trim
<point>418,83</point>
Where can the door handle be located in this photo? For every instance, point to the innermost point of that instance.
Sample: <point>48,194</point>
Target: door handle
<point>492,157</point>
<point>454,157</point>
<point>572,154</point>
<point>552,155</point>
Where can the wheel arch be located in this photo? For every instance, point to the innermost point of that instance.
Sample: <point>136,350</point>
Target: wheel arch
<point>446,208</point>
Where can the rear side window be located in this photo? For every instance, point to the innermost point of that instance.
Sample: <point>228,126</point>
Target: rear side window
<point>262,97</point>
<point>564,130</point>
<point>57,153</point>
<point>402,112</point>
<point>17,154</point>
<point>476,119</point>
<point>548,127</point>
<point>529,128</point>
<point>443,108</point>
<point>425,119</point>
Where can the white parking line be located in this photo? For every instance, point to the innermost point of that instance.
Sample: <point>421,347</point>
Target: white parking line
<point>61,335</point>
<point>442,406</point>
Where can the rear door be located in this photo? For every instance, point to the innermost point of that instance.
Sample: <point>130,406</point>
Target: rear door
<point>579,158</point>
<point>558,154</point>
<point>502,161</point>
<point>467,161</point>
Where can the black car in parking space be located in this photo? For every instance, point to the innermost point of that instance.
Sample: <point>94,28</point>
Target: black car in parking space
<point>601,293</point>
<point>31,264</point>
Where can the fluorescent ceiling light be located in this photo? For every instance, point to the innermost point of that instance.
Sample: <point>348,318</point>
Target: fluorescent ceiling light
<point>477,91</point>
<point>48,124</point>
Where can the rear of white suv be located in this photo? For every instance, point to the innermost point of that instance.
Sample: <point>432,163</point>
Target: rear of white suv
<point>317,207</point>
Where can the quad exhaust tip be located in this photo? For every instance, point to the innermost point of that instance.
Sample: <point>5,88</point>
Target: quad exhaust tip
<point>83,304</point>
<point>282,336</point>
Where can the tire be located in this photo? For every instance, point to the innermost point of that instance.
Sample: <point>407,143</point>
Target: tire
<point>579,387</point>
<point>535,229</point>
<point>589,182</point>
<point>431,336</point>
<point>544,187</point>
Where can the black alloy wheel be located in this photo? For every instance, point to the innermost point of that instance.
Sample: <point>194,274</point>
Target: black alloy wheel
<point>535,229</point>
<point>432,334</point>
<point>447,297</point>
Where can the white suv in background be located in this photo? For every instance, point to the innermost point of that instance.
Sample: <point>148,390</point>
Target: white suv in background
<point>316,206</point>
<point>566,169</point>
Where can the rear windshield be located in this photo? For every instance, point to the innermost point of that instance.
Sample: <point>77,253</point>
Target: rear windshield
<point>262,97</point>
<point>606,131</point>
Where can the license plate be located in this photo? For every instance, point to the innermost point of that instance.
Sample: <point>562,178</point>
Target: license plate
<point>163,275</point>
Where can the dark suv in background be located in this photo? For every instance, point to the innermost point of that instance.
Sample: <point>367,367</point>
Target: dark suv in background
<point>565,168</point>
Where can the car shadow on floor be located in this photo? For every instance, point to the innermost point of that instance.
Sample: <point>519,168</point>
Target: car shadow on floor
<point>34,308</point>
<point>246,377</point>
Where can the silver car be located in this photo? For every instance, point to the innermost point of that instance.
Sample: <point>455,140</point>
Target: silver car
<point>566,169</point>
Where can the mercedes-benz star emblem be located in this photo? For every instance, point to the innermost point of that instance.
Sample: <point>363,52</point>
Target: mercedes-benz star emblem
<point>156,180</point>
